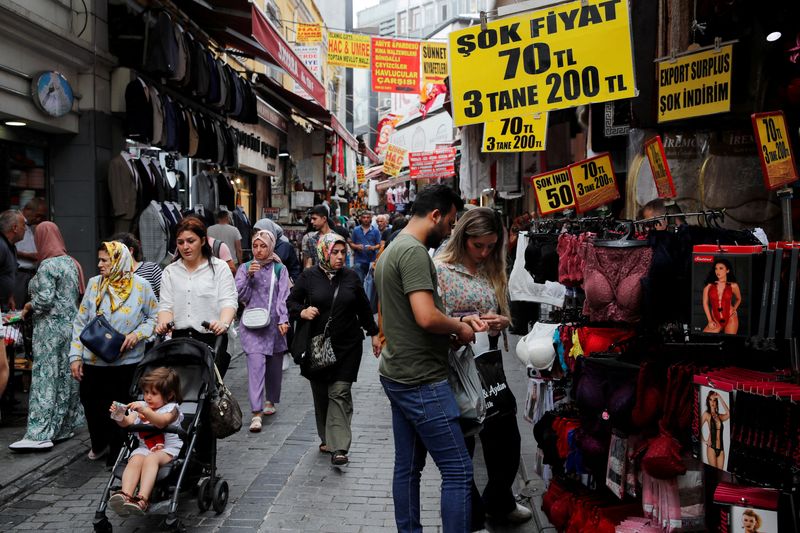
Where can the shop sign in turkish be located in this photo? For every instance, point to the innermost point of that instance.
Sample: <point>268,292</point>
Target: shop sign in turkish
<point>395,65</point>
<point>775,149</point>
<point>308,33</point>
<point>563,56</point>
<point>257,147</point>
<point>658,164</point>
<point>310,56</point>
<point>593,182</point>
<point>434,63</point>
<point>695,84</point>
<point>439,163</point>
<point>553,191</point>
<point>395,155</point>
<point>361,175</point>
<point>348,50</point>
<point>525,133</point>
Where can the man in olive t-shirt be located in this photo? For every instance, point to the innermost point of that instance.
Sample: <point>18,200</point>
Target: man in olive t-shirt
<point>413,365</point>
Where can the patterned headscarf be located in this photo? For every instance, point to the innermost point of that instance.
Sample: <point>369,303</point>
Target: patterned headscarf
<point>50,243</point>
<point>119,281</point>
<point>325,246</point>
<point>268,238</point>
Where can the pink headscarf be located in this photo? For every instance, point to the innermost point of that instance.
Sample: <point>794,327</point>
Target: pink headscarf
<point>50,243</point>
<point>268,238</point>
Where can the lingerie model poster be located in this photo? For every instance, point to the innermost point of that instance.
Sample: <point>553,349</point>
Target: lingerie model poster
<point>752,520</point>
<point>715,427</point>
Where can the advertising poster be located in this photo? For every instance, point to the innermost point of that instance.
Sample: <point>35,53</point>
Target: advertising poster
<point>562,56</point>
<point>752,520</point>
<point>348,50</point>
<point>393,163</point>
<point>715,427</point>
<point>695,84</point>
<point>775,149</point>
<point>593,182</point>
<point>439,163</point>
<point>654,149</point>
<point>308,33</point>
<point>310,56</point>
<point>553,191</point>
<point>395,65</point>
<point>360,174</point>
<point>434,63</point>
<point>527,133</point>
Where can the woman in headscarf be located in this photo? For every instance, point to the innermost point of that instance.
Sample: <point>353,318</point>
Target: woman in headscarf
<point>263,283</point>
<point>54,411</point>
<point>283,247</point>
<point>129,304</point>
<point>331,291</point>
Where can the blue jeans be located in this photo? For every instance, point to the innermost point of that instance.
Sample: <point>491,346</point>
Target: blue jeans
<point>362,269</point>
<point>425,420</point>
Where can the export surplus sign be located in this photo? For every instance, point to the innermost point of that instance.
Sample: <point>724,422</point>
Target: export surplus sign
<point>439,163</point>
<point>658,164</point>
<point>395,65</point>
<point>395,155</point>
<point>775,149</point>
<point>563,56</point>
<point>308,33</point>
<point>553,191</point>
<point>593,182</point>
<point>695,84</point>
<point>517,134</point>
<point>434,63</point>
<point>348,50</point>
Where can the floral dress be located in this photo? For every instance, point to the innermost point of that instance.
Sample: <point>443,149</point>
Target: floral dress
<point>54,410</point>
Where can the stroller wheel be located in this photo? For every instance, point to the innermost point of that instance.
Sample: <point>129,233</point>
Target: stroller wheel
<point>220,496</point>
<point>103,526</point>
<point>204,495</point>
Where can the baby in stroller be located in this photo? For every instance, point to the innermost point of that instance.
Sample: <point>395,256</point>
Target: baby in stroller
<point>161,389</point>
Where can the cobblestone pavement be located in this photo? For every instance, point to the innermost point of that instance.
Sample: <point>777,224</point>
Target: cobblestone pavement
<point>278,479</point>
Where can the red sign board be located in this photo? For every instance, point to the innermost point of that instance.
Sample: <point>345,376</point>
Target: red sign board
<point>775,149</point>
<point>654,149</point>
<point>431,165</point>
<point>395,65</point>
<point>284,56</point>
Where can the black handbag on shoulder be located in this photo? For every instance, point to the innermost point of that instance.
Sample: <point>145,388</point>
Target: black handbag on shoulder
<point>100,338</point>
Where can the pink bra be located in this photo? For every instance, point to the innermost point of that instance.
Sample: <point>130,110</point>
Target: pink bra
<point>612,282</point>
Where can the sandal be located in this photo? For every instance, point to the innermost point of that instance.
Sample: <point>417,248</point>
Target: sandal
<point>255,424</point>
<point>117,503</point>
<point>269,409</point>
<point>95,456</point>
<point>137,506</point>
<point>339,458</point>
<point>323,448</point>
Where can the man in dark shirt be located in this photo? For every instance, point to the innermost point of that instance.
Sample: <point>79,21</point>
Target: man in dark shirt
<point>12,230</point>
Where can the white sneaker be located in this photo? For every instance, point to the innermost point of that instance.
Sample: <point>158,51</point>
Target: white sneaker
<point>519,515</point>
<point>28,444</point>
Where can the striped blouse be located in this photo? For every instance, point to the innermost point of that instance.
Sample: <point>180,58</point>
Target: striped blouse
<point>151,272</point>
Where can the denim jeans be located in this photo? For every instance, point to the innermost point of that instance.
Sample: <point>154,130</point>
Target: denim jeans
<point>362,269</point>
<point>425,420</point>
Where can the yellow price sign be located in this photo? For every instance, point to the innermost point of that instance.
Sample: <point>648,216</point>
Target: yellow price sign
<point>360,174</point>
<point>593,182</point>
<point>654,149</point>
<point>554,58</point>
<point>553,191</point>
<point>695,84</point>
<point>393,163</point>
<point>517,134</point>
<point>308,33</point>
<point>775,149</point>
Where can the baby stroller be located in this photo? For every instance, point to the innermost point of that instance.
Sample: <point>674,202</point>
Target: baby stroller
<point>195,465</point>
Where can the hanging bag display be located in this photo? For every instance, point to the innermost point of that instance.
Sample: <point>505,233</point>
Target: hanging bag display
<point>225,415</point>
<point>320,349</point>
<point>100,338</point>
<point>258,317</point>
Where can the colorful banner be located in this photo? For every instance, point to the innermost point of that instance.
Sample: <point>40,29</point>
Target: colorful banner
<point>775,149</point>
<point>308,33</point>
<point>593,182</point>
<point>348,50</point>
<point>434,63</point>
<point>553,191</point>
<point>654,149</point>
<point>385,129</point>
<point>695,84</point>
<point>432,165</point>
<point>527,133</point>
<point>395,65</point>
<point>554,58</point>
<point>311,57</point>
<point>361,175</point>
<point>395,155</point>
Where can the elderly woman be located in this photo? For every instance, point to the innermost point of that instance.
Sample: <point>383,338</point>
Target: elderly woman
<point>129,304</point>
<point>54,410</point>
<point>331,291</point>
<point>264,283</point>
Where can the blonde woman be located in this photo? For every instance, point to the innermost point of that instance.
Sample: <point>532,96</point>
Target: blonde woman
<point>474,286</point>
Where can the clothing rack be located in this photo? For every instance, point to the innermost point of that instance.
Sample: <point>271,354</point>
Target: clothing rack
<point>711,215</point>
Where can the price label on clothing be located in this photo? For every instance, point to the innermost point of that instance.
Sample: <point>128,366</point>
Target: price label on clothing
<point>593,182</point>
<point>553,191</point>
<point>658,164</point>
<point>525,133</point>
<point>775,149</point>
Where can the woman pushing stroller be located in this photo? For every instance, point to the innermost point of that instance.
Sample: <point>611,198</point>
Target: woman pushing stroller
<point>161,389</point>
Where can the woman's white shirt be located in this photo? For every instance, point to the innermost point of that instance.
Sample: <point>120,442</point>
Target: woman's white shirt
<point>199,296</point>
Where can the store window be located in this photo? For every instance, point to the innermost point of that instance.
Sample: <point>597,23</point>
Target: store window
<point>23,174</point>
<point>443,12</point>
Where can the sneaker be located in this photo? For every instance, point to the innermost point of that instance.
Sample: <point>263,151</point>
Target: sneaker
<point>30,445</point>
<point>339,458</point>
<point>269,409</point>
<point>519,515</point>
<point>255,424</point>
<point>117,503</point>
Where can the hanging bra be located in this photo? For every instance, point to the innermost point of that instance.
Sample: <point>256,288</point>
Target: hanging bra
<point>613,282</point>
